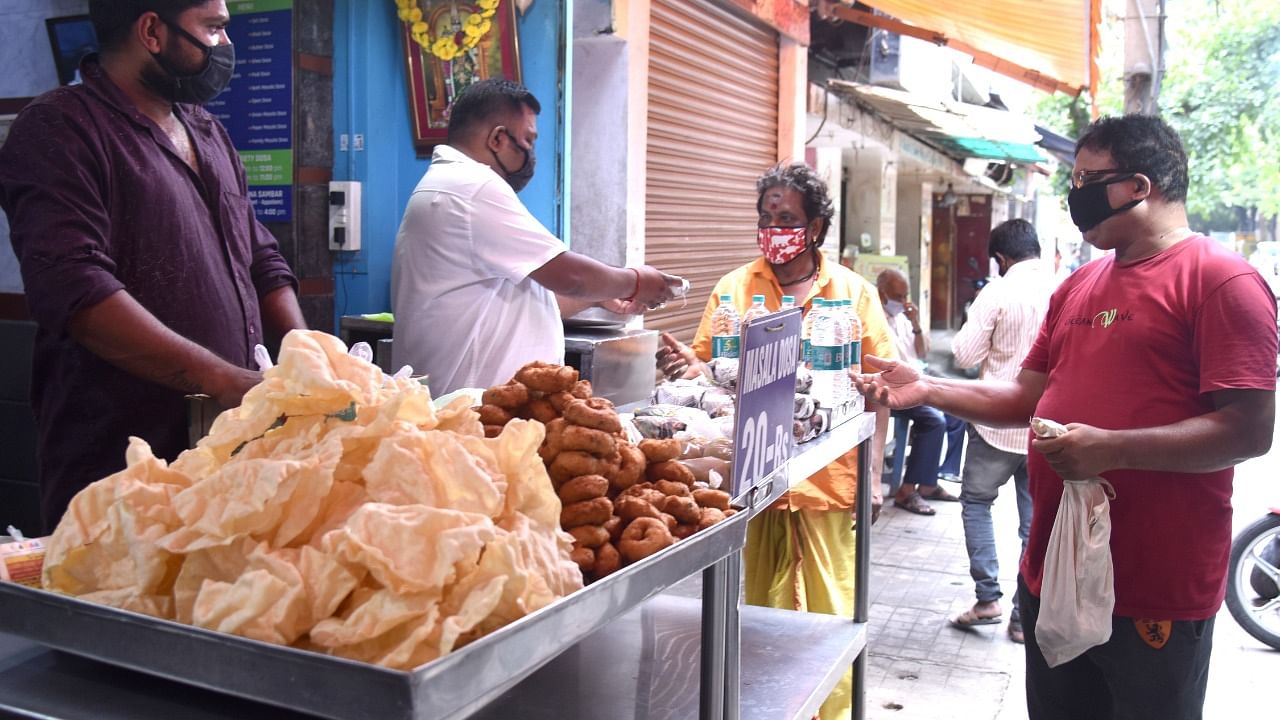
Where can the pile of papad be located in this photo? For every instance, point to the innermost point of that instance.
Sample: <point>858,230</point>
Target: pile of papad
<point>334,510</point>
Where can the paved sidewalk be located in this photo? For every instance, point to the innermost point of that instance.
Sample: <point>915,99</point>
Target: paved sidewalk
<point>922,668</point>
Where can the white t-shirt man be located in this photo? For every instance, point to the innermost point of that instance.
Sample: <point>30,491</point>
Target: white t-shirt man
<point>467,312</point>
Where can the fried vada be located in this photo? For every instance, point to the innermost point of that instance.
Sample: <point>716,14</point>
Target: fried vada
<point>644,537</point>
<point>583,487</point>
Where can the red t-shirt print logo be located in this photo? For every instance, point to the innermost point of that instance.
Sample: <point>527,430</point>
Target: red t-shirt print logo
<point>1105,318</point>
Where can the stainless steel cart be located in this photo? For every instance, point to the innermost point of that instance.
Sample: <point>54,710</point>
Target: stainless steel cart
<point>606,651</point>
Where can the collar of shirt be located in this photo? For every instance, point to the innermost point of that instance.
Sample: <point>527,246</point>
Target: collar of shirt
<point>1029,266</point>
<point>450,154</point>
<point>96,80</point>
<point>764,282</point>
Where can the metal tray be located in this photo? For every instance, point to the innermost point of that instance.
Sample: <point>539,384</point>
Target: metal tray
<point>454,686</point>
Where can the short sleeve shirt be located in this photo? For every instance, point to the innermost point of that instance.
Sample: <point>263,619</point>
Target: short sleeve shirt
<point>1144,345</point>
<point>467,312</point>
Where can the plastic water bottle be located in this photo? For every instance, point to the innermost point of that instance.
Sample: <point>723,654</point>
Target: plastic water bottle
<point>806,330</point>
<point>855,340</point>
<point>725,329</point>
<point>827,344</point>
<point>852,348</point>
<point>843,384</point>
<point>757,309</point>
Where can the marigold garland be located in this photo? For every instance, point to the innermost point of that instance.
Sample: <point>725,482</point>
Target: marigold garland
<point>474,26</point>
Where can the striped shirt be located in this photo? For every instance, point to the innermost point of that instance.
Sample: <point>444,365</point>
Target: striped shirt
<point>1003,322</point>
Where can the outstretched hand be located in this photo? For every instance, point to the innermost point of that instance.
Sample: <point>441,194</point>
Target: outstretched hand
<point>675,359</point>
<point>896,386</point>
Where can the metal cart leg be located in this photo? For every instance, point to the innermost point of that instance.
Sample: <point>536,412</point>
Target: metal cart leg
<point>732,637</point>
<point>711,692</point>
<point>862,570</point>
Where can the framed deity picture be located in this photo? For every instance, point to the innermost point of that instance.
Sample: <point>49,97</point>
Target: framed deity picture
<point>449,44</point>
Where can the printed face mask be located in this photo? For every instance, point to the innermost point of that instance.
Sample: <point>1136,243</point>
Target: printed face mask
<point>1089,205</point>
<point>520,177</point>
<point>893,307</point>
<point>209,81</point>
<point>781,245</point>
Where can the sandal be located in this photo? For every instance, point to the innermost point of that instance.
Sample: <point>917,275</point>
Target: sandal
<point>1015,631</point>
<point>913,503</point>
<point>940,494</point>
<point>969,618</point>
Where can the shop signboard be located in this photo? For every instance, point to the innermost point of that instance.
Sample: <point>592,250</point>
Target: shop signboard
<point>762,437</point>
<point>257,108</point>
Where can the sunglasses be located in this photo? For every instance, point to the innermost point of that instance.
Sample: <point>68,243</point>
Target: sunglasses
<point>1080,178</point>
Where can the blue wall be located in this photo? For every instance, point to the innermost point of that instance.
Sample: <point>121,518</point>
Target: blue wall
<point>370,98</point>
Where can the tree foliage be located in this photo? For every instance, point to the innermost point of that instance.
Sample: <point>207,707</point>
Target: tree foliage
<point>1219,93</point>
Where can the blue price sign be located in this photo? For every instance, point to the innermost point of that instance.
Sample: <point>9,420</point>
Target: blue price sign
<point>762,438</point>
<point>257,108</point>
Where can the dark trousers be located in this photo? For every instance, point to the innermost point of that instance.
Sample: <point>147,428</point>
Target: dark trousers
<point>955,445</point>
<point>928,430</point>
<point>1122,679</point>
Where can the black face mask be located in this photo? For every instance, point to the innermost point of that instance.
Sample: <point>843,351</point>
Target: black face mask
<point>1089,205</point>
<point>202,86</point>
<point>520,177</point>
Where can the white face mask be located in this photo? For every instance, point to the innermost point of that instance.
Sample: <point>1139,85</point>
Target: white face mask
<point>893,307</point>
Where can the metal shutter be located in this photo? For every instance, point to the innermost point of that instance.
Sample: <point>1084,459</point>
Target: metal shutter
<point>713,129</point>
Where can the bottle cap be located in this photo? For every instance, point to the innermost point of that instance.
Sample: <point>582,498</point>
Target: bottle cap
<point>757,298</point>
<point>726,298</point>
<point>789,299</point>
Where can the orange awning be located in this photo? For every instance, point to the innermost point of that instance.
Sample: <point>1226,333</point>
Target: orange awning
<point>1049,44</point>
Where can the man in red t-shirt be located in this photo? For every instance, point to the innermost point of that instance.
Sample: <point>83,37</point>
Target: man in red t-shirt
<point>1160,360</point>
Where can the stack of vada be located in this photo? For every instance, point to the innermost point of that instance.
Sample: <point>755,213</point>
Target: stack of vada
<point>620,502</point>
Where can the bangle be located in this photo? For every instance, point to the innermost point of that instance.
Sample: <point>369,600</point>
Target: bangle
<point>636,292</point>
<point>916,331</point>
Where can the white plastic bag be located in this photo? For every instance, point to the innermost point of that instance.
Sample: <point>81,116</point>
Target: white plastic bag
<point>1077,595</point>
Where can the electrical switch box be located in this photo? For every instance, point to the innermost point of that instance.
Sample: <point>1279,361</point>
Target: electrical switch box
<point>344,216</point>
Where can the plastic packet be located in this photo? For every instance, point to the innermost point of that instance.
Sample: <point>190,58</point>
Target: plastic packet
<point>1077,595</point>
<point>679,288</point>
<point>262,358</point>
<point>361,350</point>
<point>722,371</point>
<point>22,561</point>
<point>679,393</point>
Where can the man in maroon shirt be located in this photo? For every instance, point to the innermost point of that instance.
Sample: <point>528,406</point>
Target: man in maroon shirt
<point>1159,358</point>
<point>142,261</point>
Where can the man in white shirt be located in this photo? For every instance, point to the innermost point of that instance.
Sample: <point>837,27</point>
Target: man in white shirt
<point>929,426</point>
<point>478,285</point>
<point>1002,324</point>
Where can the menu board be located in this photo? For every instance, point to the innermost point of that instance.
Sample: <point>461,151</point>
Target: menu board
<point>762,436</point>
<point>257,108</point>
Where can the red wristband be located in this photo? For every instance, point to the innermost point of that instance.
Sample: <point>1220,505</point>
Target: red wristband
<point>635,292</point>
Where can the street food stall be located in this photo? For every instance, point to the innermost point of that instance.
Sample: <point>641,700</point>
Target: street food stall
<point>621,643</point>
